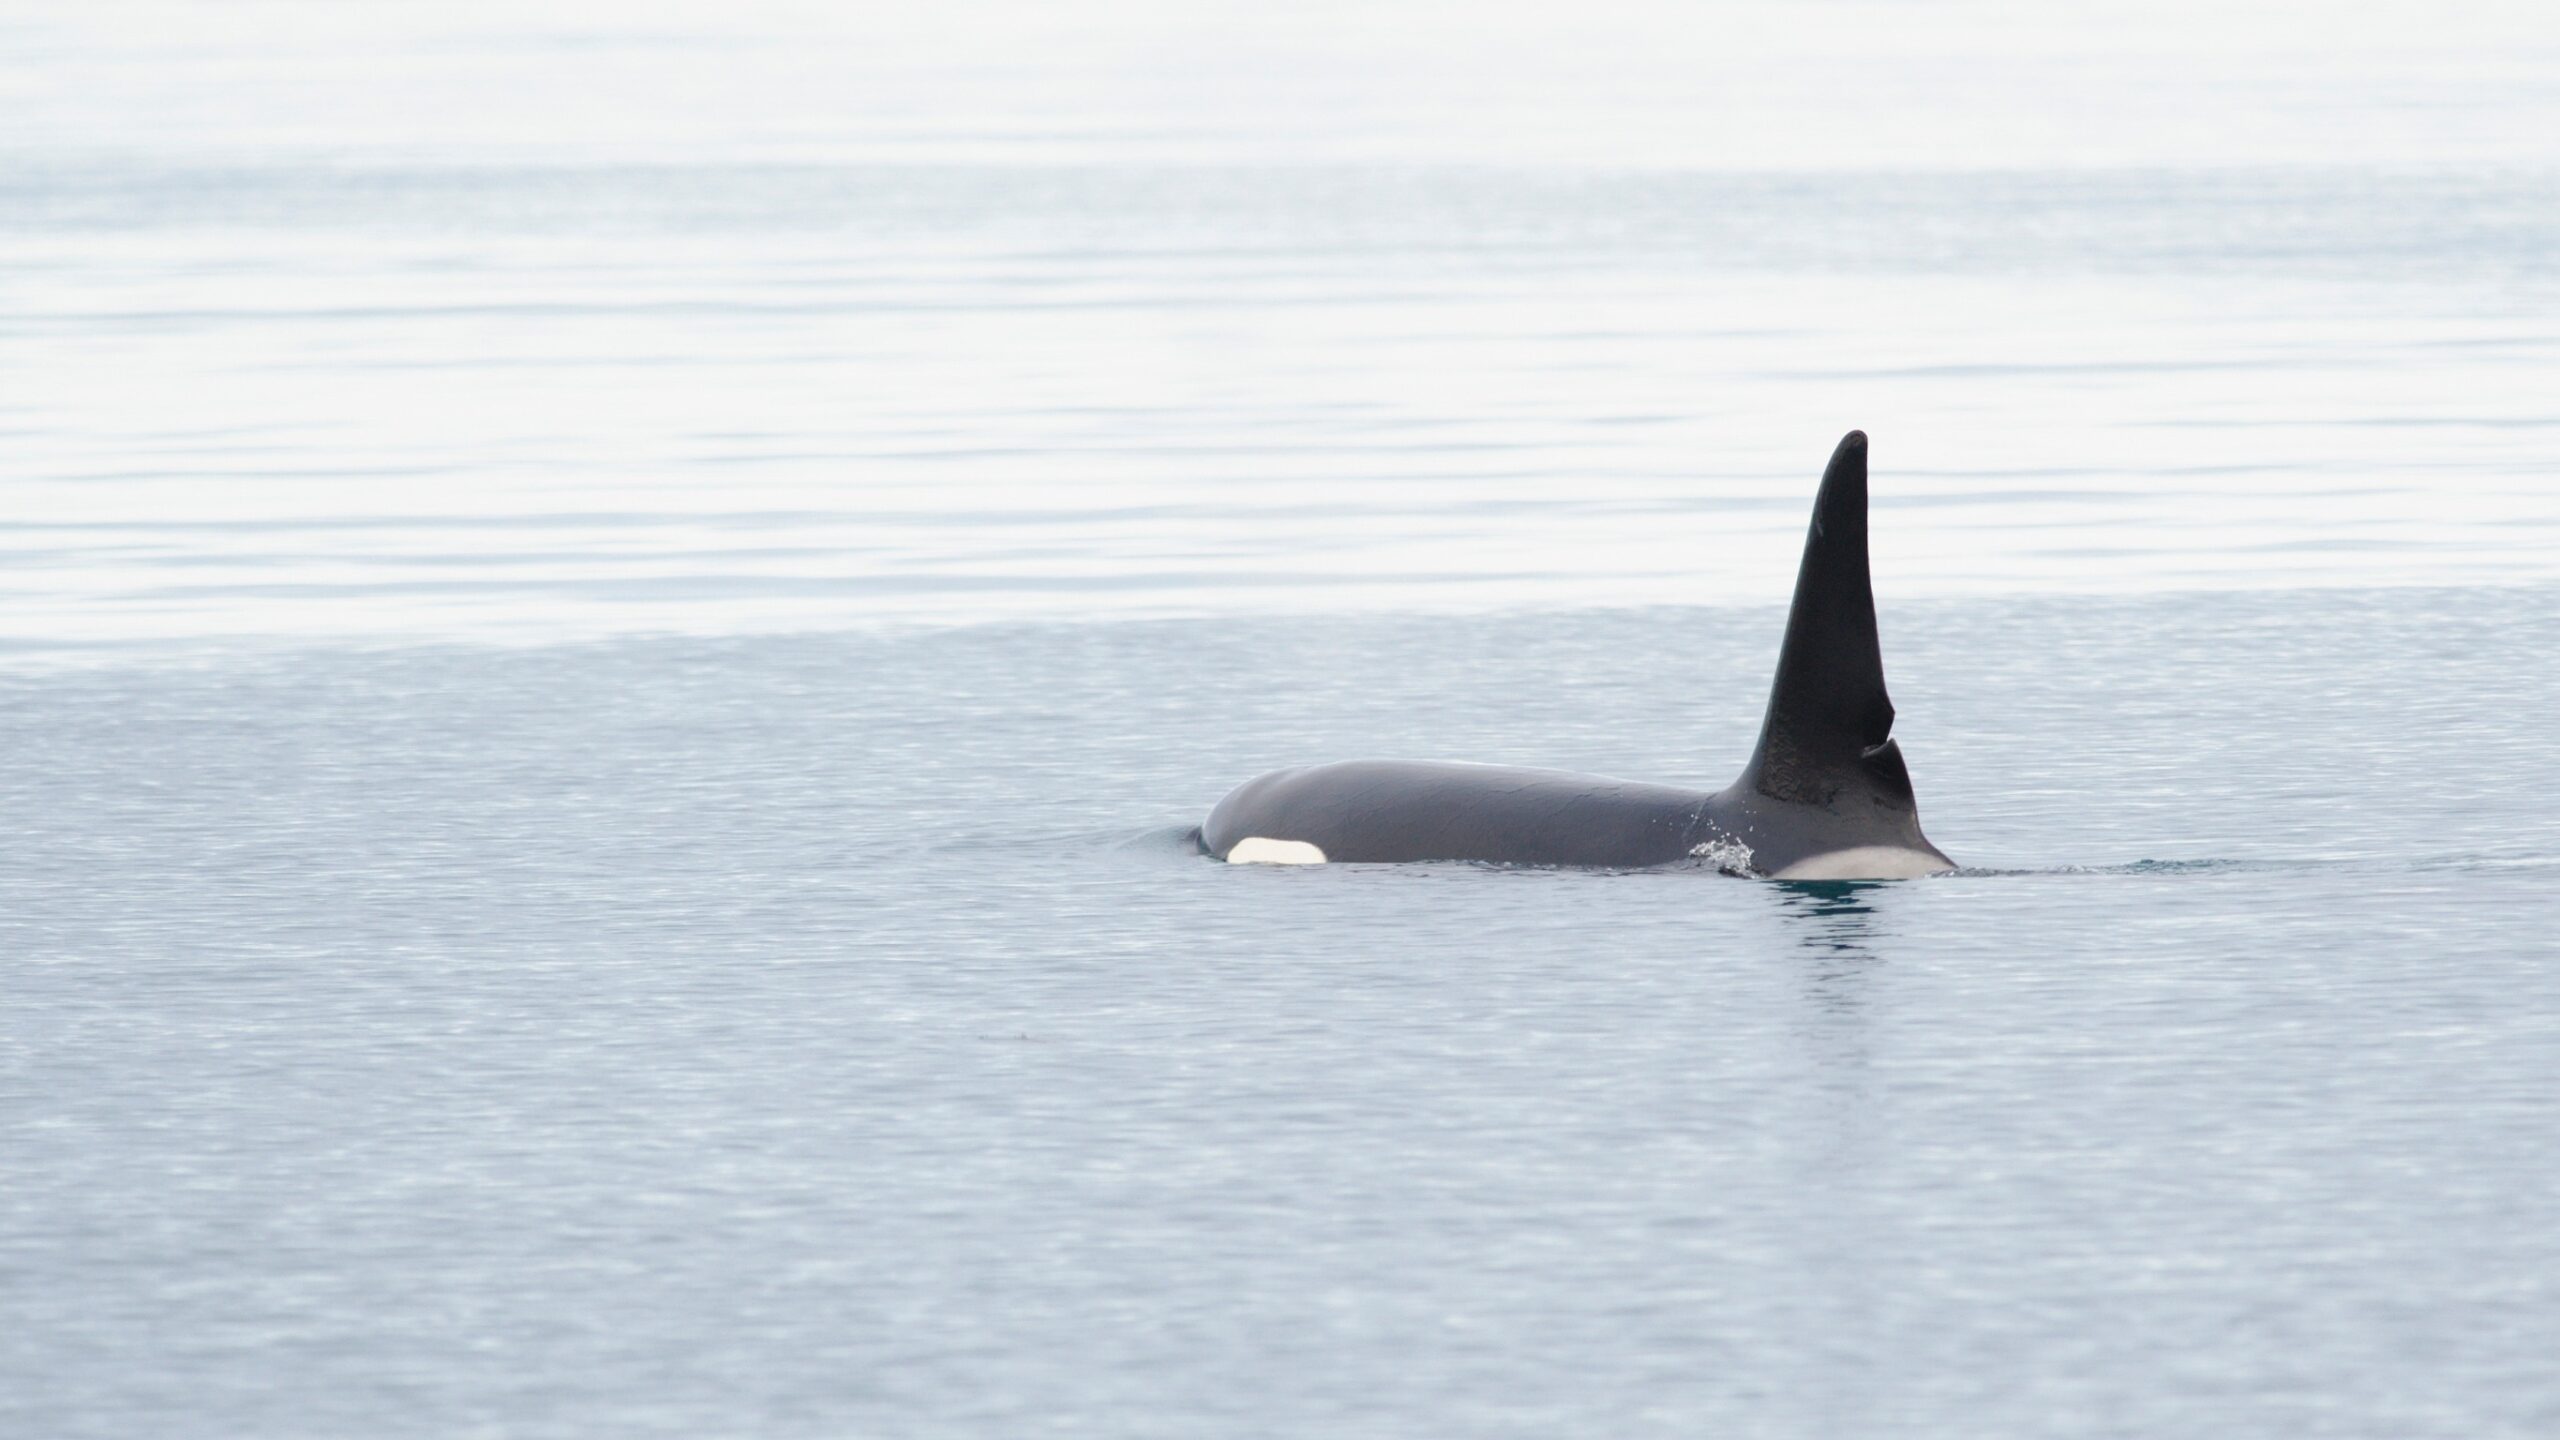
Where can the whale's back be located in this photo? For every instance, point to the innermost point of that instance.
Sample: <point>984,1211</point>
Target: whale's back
<point>1360,811</point>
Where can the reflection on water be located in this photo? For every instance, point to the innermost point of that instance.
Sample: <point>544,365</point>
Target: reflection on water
<point>525,405</point>
<point>1831,916</point>
<point>1834,928</point>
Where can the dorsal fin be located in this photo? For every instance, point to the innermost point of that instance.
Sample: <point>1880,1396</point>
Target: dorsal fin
<point>1830,723</point>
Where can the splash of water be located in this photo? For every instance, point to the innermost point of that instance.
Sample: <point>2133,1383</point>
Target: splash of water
<point>1725,853</point>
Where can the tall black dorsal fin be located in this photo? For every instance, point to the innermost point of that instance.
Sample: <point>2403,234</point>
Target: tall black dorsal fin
<point>1830,723</point>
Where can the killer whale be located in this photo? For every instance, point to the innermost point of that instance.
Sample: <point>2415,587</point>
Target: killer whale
<point>1825,795</point>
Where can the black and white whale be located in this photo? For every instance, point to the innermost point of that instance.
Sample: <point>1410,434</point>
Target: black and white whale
<point>1825,797</point>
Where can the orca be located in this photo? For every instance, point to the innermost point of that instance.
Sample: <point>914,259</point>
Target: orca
<point>1826,795</point>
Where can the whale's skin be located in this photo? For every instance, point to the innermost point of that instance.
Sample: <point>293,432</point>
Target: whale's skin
<point>1368,811</point>
<point>1388,811</point>
<point>1826,794</point>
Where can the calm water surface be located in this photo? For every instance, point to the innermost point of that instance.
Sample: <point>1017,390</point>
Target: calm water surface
<point>610,625</point>
<point>835,1035</point>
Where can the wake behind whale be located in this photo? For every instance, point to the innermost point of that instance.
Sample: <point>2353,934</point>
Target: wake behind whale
<point>1825,795</point>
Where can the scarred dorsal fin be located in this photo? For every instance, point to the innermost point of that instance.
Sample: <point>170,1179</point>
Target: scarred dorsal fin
<point>1830,723</point>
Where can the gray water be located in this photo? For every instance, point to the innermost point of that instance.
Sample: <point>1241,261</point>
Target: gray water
<point>613,619</point>
<point>837,1035</point>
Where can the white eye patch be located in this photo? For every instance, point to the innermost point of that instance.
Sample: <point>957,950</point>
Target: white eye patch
<point>1257,850</point>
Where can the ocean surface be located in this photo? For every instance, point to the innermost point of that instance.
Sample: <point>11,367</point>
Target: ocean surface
<point>613,620</point>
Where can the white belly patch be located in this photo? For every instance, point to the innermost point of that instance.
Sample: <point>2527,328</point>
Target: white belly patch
<point>1257,850</point>
<point>1863,862</point>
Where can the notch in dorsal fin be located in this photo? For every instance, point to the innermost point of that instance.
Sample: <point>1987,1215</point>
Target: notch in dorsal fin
<point>1830,723</point>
